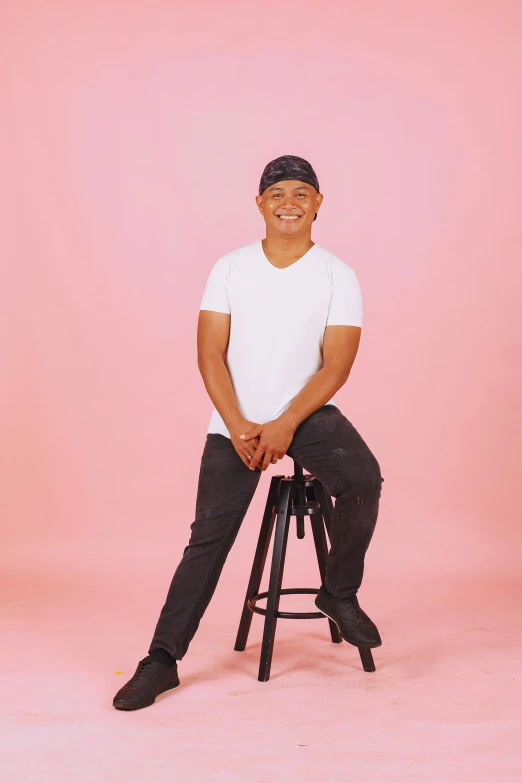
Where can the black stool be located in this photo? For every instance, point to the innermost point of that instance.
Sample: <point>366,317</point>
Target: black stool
<point>298,495</point>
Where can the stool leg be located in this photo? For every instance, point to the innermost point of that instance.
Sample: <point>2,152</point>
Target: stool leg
<point>259,562</point>
<point>276,579</point>
<point>366,659</point>
<point>321,549</point>
<point>300,495</point>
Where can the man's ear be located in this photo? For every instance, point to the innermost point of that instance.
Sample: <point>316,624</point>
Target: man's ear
<point>319,202</point>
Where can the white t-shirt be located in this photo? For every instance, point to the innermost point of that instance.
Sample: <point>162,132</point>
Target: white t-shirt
<point>277,323</point>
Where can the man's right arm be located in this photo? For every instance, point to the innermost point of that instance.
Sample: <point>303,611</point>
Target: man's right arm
<point>212,343</point>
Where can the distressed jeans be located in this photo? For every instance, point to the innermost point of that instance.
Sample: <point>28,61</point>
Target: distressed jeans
<point>326,445</point>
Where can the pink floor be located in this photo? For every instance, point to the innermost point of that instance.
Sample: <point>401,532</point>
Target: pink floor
<point>442,706</point>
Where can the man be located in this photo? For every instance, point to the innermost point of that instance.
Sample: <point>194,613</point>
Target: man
<point>279,328</point>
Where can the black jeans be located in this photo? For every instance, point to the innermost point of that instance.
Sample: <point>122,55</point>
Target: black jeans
<point>326,445</point>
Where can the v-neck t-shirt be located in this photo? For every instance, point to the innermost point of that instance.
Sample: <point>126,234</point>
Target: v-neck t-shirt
<point>277,322</point>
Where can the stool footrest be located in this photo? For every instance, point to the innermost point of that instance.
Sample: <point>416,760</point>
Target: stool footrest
<point>251,603</point>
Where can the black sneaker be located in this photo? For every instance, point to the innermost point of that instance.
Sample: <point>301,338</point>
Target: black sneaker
<point>354,624</point>
<point>150,679</point>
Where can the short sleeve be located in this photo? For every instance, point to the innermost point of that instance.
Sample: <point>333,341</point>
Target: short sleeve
<point>346,301</point>
<point>215,295</point>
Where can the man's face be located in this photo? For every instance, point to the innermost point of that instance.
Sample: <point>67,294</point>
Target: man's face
<point>289,206</point>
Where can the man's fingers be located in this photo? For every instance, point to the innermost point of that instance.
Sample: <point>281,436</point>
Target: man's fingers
<point>266,460</point>
<point>253,433</point>
<point>262,456</point>
<point>244,459</point>
<point>257,455</point>
<point>248,452</point>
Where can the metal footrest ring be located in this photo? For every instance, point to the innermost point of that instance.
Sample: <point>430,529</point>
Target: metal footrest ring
<point>251,603</point>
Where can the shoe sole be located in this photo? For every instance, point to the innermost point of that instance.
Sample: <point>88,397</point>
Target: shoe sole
<point>128,708</point>
<point>355,644</point>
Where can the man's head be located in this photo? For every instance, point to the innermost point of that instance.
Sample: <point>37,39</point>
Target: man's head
<point>289,196</point>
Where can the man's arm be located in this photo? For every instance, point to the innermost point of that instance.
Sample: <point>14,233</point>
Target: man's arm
<point>212,343</point>
<point>340,346</point>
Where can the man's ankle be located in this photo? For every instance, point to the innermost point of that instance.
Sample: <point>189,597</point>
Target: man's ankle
<point>162,656</point>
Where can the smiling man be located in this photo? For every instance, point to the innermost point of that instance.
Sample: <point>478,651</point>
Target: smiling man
<point>279,328</point>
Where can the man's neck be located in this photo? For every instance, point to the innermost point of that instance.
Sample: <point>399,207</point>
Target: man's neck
<point>283,251</point>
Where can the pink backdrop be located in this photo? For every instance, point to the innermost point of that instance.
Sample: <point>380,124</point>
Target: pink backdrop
<point>131,154</point>
<point>132,140</point>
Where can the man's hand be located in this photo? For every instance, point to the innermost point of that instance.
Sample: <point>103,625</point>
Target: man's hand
<point>269,442</point>
<point>245,449</point>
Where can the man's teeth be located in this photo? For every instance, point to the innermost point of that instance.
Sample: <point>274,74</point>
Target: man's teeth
<point>288,217</point>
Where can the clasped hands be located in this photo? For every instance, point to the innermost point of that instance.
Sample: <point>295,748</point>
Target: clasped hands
<point>263,444</point>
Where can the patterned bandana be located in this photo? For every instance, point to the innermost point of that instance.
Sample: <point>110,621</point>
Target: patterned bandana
<point>288,167</point>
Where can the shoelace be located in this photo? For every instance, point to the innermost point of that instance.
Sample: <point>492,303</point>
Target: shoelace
<point>141,669</point>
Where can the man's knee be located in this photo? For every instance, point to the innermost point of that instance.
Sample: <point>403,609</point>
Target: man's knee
<point>364,481</point>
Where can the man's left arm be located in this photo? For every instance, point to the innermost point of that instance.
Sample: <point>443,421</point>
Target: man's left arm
<point>340,346</point>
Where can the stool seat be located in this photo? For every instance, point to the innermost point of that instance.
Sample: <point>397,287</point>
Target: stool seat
<point>300,496</point>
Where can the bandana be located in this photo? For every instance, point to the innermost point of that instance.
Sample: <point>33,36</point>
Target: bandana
<point>288,167</point>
